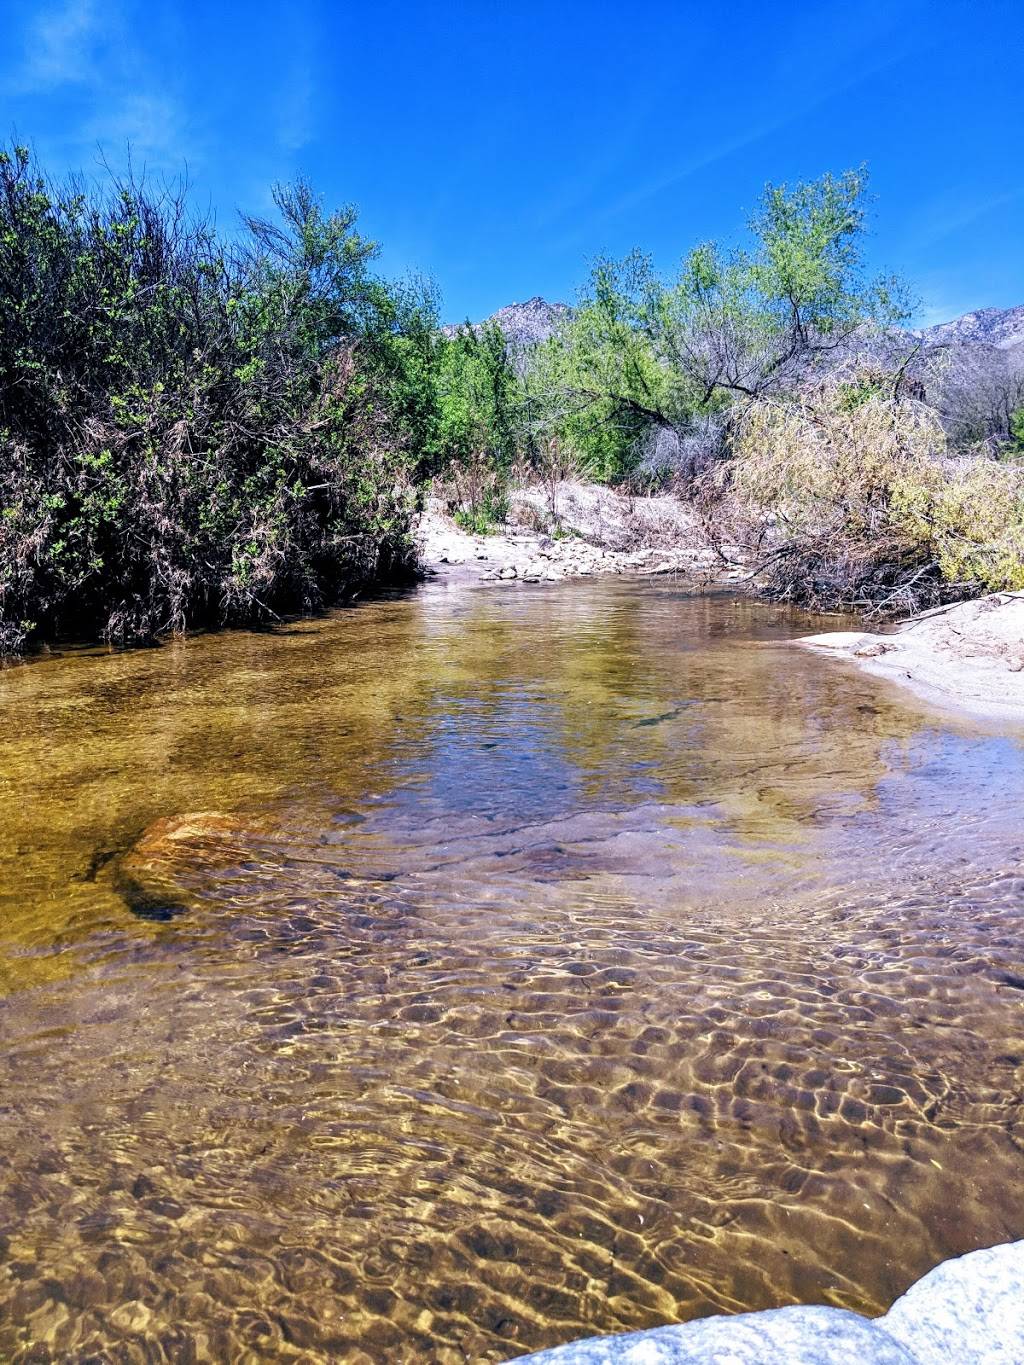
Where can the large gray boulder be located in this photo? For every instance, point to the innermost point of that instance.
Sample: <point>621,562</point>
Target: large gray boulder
<point>781,1336</point>
<point>964,1312</point>
<point>969,1311</point>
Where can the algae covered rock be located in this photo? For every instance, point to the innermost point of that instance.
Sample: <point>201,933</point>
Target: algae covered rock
<point>151,877</point>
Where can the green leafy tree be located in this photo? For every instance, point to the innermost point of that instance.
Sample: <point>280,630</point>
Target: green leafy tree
<point>643,353</point>
<point>599,384</point>
<point>480,419</point>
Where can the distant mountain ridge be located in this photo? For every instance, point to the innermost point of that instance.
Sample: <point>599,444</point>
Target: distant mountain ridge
<point>1002,329</point>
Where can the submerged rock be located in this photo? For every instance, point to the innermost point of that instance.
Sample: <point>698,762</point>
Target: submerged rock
<point>968,1311</point>
<point>152,902</point>
<point>164,837</point>
<point>147,876</point>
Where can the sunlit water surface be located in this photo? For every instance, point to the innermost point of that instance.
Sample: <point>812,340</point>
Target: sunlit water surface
<point>561,961</point>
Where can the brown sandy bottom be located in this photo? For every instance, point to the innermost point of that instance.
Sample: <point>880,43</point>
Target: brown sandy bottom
<point>600,967</point>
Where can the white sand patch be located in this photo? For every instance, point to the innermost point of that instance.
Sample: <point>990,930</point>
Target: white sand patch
<point>572,531</point>
<point>970,655</point>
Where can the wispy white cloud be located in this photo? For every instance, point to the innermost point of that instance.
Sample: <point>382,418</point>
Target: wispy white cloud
<point>932,313</point>
<point>845,53</point>
<point>295,111</point>
<point>148,126</point>
<point>791,111</point>
<point>947,219</point>
<point>89,51</point>
<point>295,96</point>
<point>295,104</point>
<point>58,49</point>
<point>944,295</point>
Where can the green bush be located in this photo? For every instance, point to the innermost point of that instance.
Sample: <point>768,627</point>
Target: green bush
<point>192,434</point>
<point>971,516</point>
<point>479,429</point>
<point>488,516</point>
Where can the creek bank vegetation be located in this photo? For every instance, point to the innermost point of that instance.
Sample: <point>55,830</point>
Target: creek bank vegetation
<point>199,429</point>
<point>849,495</point>
<point>842,461</point>
<point>826,454</point>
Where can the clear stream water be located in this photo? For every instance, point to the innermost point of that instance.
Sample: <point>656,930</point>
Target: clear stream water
<point>533,964</point>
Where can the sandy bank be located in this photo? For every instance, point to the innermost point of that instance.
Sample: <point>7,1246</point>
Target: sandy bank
<point>970,655</point>
<point>574,531</point>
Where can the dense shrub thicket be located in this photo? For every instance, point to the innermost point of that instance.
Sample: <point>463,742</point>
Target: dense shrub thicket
<point>192,433</point>
<point>197,430</point>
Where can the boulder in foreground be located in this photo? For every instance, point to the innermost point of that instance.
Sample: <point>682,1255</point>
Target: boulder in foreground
<point>968,1311</point>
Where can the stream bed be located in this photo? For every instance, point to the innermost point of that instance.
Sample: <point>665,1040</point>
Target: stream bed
<point>501,966</point>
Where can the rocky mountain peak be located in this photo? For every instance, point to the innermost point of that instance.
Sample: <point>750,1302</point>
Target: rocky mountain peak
<point>1002,328</point>
<point>527,324</point>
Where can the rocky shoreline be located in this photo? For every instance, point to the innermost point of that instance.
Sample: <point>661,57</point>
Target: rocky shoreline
<point>576,531</point>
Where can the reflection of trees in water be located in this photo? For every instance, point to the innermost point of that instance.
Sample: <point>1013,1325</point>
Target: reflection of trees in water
<point>654,695</point>
<point>597,694</point>
<point>488,1103</point>
<point>96,748</point>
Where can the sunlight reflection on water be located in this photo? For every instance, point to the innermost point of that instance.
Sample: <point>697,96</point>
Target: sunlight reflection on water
<point>556,962</point>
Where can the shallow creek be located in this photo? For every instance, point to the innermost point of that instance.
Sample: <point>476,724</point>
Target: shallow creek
<point>560,961</point>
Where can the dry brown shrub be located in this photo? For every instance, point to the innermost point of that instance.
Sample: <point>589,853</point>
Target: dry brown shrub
<point>845,497</point>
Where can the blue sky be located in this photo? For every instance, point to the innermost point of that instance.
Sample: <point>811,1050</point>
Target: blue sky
<point>498,147</point>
